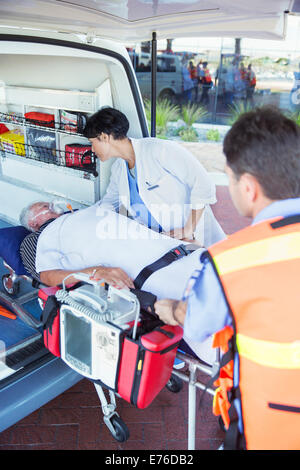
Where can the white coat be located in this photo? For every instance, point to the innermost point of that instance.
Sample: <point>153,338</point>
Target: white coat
<point>171,183</point>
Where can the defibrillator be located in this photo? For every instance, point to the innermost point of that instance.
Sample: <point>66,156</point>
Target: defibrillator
<point>92,322</point>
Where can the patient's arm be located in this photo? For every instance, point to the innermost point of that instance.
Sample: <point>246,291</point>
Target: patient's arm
<point>114,276</point>
<point>55,277</point>
<point>171,312</point>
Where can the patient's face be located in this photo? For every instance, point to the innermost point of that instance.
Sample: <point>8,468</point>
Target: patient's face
<point>41,213</point>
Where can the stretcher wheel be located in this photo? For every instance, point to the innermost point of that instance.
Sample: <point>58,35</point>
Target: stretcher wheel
<point>10,287</point>
<point>174,384</point>
<point>121,432</point>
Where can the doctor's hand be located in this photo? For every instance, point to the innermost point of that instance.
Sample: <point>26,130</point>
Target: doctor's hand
<point>113,276</point>
<point>172,312</point>
<point>180,234</point>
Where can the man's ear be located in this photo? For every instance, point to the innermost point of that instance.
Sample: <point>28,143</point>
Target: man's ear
<point>32,225</point>
<point>251,187</point>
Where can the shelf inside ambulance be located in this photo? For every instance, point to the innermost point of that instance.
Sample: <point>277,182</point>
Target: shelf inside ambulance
<point>20,344</point>
<point>40,141</point>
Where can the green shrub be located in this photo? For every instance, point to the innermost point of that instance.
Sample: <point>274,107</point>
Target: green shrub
<point>165,112</point>
<point>296,117</point>
<point>213,134</point>
<point>188,134</point>
<point>191,113</point>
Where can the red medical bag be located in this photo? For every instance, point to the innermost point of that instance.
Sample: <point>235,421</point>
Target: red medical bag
<point>146,364</point>
<point>3,128</point>
<point>50,319</point>
<point>75,155</point>
<point>40,119</point>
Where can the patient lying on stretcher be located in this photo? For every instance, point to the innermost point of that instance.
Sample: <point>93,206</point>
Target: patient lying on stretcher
<point>109,246</point>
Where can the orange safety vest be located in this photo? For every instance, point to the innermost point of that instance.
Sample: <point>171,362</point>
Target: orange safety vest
<point>258,269</point>
<point>206,78</point>
<point>251,78</point>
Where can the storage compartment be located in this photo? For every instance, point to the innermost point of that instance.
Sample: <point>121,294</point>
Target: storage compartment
<point>43,136</point>
<point>39,81</point>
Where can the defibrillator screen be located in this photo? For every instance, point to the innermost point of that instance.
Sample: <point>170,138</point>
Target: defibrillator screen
<point>78,342</point>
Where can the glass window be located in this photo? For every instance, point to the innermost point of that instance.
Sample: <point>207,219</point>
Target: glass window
<point>214,80</point>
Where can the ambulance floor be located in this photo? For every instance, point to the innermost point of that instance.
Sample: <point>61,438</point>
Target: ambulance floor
<point>74,420</point>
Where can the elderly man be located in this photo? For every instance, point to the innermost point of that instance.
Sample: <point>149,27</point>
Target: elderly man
<point>36,217</point>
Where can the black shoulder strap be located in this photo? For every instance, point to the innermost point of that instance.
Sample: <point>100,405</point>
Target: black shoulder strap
<point>168,258</point>
<point>293,219</point>
<point>49,312</point>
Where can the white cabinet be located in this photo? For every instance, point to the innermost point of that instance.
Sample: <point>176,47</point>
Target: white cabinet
<point>44,151</point>
<point>42,133</point>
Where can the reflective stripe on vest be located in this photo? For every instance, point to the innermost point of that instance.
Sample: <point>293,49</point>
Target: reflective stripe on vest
<point>279,248</point>
<point>268,353</point>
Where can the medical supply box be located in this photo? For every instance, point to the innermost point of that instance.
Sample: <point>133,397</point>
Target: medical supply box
<point>104,335</point>
<point>72,122</point>
<point>13,142</point>
<point>40,119</point>
<point>78,155</point>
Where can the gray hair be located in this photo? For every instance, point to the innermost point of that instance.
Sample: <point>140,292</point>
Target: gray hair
<point>25,216</point>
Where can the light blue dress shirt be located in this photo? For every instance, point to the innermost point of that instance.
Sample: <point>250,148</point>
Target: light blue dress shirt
<point>142,214</point>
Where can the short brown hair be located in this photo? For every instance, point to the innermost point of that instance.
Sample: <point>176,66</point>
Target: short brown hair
<point>266,144</point>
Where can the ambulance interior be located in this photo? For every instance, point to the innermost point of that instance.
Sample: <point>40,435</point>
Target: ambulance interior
<point>38,80</point>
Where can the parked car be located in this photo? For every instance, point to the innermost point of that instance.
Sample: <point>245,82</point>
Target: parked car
<point>169,80</point>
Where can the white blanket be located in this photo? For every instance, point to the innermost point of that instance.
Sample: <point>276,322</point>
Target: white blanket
<point>96,236</point>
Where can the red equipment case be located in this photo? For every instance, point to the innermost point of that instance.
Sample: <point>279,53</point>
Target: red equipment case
<point>40,119</point>
<point>75,155</point>
<point>146,364</point>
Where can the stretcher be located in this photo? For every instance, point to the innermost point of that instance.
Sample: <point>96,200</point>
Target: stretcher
<point>106,391</point>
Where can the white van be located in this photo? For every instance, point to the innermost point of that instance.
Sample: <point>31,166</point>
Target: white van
<point>169,78</point>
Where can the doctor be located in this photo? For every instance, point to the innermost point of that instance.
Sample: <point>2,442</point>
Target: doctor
<point>158,182</point>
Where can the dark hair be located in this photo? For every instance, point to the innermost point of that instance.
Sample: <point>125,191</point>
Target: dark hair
<point>107,120</point>
<point>266,144</point>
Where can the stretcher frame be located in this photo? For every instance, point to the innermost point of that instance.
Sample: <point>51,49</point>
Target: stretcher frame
<point>195,365</point>
<point>109,407</point>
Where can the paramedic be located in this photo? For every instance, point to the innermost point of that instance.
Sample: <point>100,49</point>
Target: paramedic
<point>248,286</point>
<point>158,182</point>
<point>36,217</point>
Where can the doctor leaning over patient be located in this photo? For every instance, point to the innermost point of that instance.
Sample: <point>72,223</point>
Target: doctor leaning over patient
<point>247,288</point>
<point>158,182</point>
